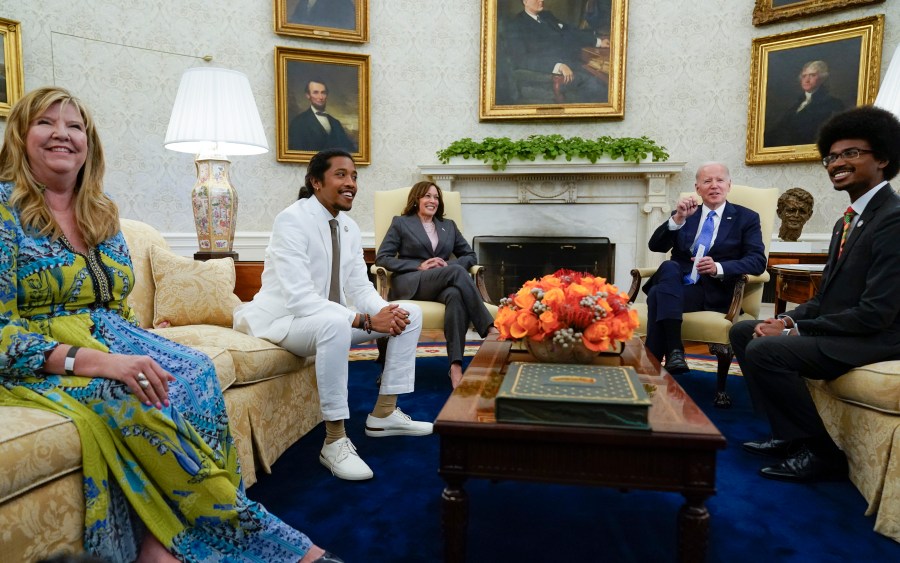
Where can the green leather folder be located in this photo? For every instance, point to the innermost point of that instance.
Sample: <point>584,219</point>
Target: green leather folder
<point>573,395</point>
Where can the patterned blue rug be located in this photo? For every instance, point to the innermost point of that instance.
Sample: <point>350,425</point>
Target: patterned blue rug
<point>395,517</point>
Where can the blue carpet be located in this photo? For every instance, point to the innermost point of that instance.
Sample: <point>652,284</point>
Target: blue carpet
<point>395,517</point>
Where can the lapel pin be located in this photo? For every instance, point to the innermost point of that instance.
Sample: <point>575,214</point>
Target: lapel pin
<point>860,224</point>
<point>346,229</point>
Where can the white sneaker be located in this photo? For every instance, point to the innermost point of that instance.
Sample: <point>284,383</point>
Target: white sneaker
<point>396,424</point>
<point>343,461</point>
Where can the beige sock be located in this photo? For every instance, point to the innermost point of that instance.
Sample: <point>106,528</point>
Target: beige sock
<point>334,431</point>
<point>384,406</point>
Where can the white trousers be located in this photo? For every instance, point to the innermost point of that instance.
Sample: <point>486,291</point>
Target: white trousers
<point>329,336</point>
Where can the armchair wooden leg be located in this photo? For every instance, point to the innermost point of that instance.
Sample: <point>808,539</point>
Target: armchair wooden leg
<point>724,354</point>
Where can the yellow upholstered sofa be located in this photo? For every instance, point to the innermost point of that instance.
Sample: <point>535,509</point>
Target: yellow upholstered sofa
<point>861,411</point>
<point>270,395</point>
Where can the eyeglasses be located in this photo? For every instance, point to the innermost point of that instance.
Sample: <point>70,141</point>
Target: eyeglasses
<point>849,154</point>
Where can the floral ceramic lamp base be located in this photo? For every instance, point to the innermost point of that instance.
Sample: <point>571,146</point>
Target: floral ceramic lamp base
<point>214,201</point>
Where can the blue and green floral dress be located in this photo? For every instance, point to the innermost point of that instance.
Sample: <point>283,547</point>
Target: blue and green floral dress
<point>173,471</point>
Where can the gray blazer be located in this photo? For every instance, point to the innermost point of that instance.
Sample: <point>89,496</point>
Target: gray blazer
<point>406,246</point>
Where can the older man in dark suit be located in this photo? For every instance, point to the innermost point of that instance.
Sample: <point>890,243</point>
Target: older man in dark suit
<point>315,129</point>
<point>854,318</point>
<point>538,41</point>
<point>712,244</point>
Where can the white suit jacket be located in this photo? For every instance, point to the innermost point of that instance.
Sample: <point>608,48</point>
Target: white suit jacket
<point>297,273</point>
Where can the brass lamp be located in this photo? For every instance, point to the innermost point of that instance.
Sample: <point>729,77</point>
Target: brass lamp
<point>214,115</point>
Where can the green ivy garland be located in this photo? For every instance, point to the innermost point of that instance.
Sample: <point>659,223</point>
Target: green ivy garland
<point>500,150</point>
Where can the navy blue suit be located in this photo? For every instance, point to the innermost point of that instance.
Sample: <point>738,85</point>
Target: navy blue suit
<point>738,247</point>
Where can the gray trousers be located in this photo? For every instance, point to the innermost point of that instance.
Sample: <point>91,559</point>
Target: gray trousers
<point>453,286</point>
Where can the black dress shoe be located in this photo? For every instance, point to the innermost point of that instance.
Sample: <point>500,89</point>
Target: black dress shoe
<point>675,362</point>
<point>329,558</point>
<point>806,467</point>
<point>770,447</point>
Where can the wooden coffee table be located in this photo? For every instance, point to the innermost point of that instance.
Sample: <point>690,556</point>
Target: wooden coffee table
<point>677,455</point>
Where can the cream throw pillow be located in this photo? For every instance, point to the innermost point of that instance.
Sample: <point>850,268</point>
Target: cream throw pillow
<point>190,292</point>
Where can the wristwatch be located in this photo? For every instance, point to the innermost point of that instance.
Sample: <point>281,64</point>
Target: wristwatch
<point>69,364</point>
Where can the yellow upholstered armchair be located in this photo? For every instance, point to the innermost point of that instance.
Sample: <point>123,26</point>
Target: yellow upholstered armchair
<point>389,204</point>
<point>711,327</point>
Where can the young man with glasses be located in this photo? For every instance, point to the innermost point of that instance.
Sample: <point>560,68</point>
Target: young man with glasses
<point>854,318</point>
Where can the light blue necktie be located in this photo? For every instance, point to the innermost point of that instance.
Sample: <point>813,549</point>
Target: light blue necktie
<point>705,239</point>
<point>706,234</point>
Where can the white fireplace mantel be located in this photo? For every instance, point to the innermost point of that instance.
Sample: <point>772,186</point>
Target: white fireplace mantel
<point>623,201</point>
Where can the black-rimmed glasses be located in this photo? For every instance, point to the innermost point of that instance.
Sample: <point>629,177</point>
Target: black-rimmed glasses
<point>849,154</point>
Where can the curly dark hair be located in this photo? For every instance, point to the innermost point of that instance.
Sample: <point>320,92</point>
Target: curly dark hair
<point>318,165</point>
<point>879,127</point>
<point>416,193</point>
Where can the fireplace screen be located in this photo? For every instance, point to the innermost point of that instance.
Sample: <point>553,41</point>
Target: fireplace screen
<point>511,261</point>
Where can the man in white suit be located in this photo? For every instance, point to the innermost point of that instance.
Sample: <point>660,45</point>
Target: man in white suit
<point>298,309</point>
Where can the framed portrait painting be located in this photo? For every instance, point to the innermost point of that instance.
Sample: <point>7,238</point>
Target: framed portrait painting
<point>321,102</point>
<point>340,20</point>
<point>771,11</point>
<point>12,84</point>
<point>798,80</point>
<point>553,59</point>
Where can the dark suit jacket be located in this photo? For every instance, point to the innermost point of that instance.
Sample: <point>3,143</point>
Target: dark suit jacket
<point>856,312</point>
<point>406,245</point>
<point>539,46</point>
<point>307,134</point>
<point>738,248</point>
<point>325,13</point>
<point>802,127</point>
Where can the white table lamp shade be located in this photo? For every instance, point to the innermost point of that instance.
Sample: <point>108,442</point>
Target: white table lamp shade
<point>889,94</point>
<point>215,115</point>
<point>215,112</point>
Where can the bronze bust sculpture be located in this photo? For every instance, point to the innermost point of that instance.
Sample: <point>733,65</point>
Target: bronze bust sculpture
<point>795,207</point>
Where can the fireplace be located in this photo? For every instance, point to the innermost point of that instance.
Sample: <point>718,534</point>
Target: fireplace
<point>511,261</point>
<point>550,201</point>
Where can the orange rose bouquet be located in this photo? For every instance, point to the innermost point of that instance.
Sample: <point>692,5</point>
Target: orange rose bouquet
<point>568,307</point>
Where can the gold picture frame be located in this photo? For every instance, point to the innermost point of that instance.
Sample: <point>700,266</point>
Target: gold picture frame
<point>302,76</point>
<point>520,81</point>
<point>12,74</point>
<point>771,11</point>
<point>338,20</point>
<point>801,78</point>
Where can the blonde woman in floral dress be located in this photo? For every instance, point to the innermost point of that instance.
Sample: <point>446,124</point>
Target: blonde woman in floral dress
<point>161,476</point>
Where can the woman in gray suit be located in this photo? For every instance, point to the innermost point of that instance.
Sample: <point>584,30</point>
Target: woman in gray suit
<point>417,250</point>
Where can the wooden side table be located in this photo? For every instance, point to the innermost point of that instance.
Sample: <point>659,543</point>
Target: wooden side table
<point>796,283</point>
<point>779,258</point>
